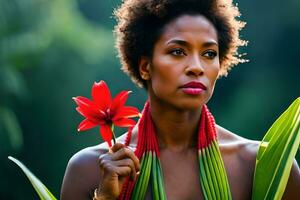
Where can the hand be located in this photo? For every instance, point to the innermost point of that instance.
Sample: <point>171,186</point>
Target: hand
<point>115,166</point>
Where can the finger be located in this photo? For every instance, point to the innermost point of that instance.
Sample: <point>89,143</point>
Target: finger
<point>117,147</point>
<point>111,168</point>
<point>129,163</point>
<point>103,158</point>
<point>127,153</point>
<point>123,171</point>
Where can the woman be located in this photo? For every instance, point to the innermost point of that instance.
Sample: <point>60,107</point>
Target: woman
<point>176,50</point>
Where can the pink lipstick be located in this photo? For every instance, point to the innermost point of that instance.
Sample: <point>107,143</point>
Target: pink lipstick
<point>193,88</point>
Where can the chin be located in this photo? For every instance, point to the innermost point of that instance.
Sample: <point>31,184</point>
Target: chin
<point>181,102</point>
<point>191,104</point>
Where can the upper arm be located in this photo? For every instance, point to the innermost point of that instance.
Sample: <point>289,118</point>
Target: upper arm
<point>292,190</point>
<point>80,177</point>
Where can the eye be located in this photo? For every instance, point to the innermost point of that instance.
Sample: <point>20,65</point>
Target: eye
<point>210,54</point>
<point>177,52</point>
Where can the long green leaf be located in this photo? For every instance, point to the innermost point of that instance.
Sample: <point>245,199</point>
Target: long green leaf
<point>212,169</point>
<point>144,187</point>
<point>276,154</point>
<point>161,187</point>
<point>154,178</point>
<point>203,176</point>
<point>140,188</point>
<point>223,176</point>
<point>217,168</point>
<point>39,187</point>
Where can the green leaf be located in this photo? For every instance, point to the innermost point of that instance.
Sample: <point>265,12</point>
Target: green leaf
<point>203,176</point>
<point>39,187</point>
<point>276,154</point>
<point>155,187</point>
<point>210,173</point>
<point>140,188</point>
<point>147,172</point>
<point>159,178</point>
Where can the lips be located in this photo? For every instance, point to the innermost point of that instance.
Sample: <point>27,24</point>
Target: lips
<point>194,84</point>
<point>193,88</point>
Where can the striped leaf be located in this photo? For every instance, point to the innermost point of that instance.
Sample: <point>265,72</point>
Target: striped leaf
<point>39,187</point>
<point>140,188</point>
<point>276,154</point>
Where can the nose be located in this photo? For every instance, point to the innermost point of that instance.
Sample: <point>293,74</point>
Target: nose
<point>194,67</point>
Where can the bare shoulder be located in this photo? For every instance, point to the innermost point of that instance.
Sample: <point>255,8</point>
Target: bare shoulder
<point>239,157</point>
<point>242,152</point>
<point>245,148</point>
<point>82,173</point>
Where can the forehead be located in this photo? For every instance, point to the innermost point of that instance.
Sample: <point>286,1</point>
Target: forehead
<point>194,27</point>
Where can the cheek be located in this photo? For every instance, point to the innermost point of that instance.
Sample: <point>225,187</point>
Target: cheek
<point>213,74</point>
<point>215,70</point>
<point>161,81</point>
<point>163,73</point>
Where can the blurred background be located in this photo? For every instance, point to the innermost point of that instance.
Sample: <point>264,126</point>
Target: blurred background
<point>53,50</point>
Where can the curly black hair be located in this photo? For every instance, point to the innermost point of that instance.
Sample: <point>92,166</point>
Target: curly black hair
<point>140,23</point>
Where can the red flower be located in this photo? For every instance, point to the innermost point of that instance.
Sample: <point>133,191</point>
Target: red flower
<point>104,111</point>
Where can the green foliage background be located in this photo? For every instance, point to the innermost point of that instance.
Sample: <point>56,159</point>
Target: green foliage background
<point>53,50</point>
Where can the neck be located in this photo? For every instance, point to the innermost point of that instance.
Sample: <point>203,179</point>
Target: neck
<point>176,129</point>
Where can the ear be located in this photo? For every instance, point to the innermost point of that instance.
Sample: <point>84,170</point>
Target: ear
<point>144,68</point>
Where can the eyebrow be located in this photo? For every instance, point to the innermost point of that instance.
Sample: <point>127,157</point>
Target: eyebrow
<point>184,43</point>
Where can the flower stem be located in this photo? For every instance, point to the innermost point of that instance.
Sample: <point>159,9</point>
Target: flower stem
<point>113,134</point>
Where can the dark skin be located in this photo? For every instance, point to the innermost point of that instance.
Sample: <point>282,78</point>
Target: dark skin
<point>83,173</point>
<point>186,51</point>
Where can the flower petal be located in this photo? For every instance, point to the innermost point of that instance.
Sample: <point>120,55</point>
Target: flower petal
<point>126,112</point>
<point>88,109</point>
<point>124,122</point>
<point>85,125</point>
<point>101,95</point>
<point>98,118</point>
<point>119,101</point>
<point>106,133</point>
<point>83,101</point>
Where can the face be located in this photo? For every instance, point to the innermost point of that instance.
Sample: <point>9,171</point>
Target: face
<point>185,63</point>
